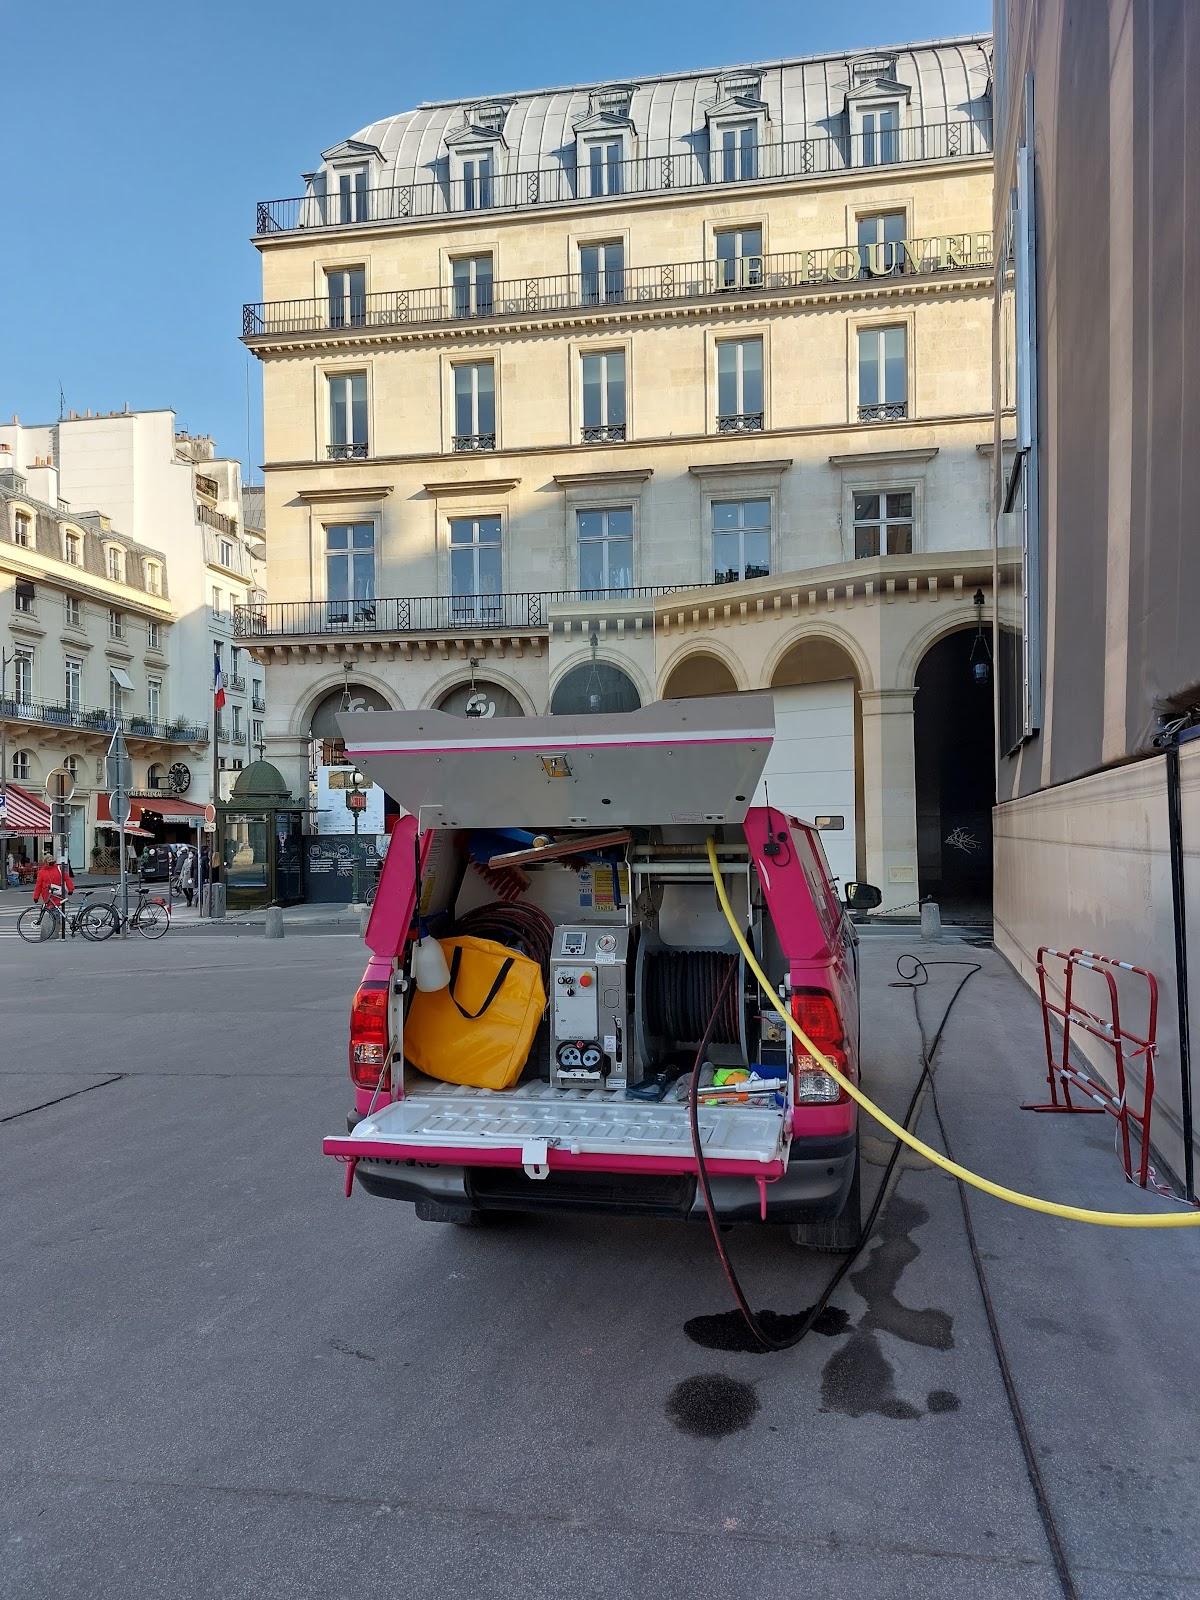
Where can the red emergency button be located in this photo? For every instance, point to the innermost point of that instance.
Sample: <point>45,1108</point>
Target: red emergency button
<point>585,980</point>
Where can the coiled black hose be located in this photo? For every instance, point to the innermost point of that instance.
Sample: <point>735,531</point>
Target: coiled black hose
<point>689,993</point>
<point>523,928</point>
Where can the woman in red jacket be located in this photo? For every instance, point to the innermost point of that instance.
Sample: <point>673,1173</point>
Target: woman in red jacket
<point>54,882</point>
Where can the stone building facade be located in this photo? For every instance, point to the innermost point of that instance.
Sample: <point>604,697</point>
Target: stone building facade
<point>583,398</point>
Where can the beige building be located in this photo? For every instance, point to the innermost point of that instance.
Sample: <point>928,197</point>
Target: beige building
<point>582,398</point>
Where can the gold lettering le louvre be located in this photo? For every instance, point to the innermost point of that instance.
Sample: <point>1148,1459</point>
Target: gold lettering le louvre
<point>885,258</point>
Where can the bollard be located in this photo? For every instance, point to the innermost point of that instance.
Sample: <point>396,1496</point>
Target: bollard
<point>931,920</point>
<point>274,922</point>
<point>217,900</point>
<point>364,916</point>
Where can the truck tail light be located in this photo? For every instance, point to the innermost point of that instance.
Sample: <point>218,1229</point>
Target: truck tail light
<point>817,1014</point>
<point>369,1044</point>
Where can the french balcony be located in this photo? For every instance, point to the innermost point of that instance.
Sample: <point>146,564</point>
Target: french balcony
<point>259,703</point>
<point>741,422</point>
<point>423,616</point>
<point>234,681</point>
<point>565,182</point>
<point>465,442</point>
<point>355,451</point>
<point>606,433</point>
<point>618,288</point>
<point>100,721</point>
<point>886,411</point>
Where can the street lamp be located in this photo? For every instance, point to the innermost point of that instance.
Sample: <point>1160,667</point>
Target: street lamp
<point>357,801</point>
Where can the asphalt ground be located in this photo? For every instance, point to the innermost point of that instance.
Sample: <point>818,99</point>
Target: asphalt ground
<point>220,1378</point>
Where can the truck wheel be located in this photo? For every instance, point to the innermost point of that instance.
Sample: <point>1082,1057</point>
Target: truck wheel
<point>836,1235</point>
<point>461,1216</point>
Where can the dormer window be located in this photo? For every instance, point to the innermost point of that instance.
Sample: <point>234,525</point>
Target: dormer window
<point>476,149</point>
<point>737,128</point>
<point>604,141</point>
<point>114,558</point>
<point>350,180</point>
<point>605,160</point>
<point>876,102</point>
<point>739,152</point>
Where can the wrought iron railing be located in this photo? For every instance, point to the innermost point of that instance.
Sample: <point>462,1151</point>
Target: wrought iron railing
<point>216,519</point>
<point>101,721</point>
<point>474,441</point>
<point>565,181</point>
<point>356,451</point>
<point>628,286</point>
<point>741,422</point>
<point>259,703</point>
<point>427,614</point>
<point>234,681</point>
<point>887,411</point>
<point>605,433</point>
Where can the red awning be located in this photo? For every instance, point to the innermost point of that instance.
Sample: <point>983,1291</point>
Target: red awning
<point>24,814</point>
<point>177,813</point>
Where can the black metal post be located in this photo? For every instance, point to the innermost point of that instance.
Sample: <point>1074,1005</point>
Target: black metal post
<point>1179,915</point>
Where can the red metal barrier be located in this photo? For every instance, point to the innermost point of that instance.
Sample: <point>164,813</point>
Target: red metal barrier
<point>1125,1045</point>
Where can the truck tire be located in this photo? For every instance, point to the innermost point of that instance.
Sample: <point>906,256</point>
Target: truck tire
<point>461,1216</point>
<point>836,1235</point>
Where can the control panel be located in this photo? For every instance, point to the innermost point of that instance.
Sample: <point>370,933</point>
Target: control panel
<point>590,1044</point>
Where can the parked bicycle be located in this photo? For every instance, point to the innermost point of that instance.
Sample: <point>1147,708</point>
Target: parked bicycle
<point>44,919</point>
<point>150,917</point>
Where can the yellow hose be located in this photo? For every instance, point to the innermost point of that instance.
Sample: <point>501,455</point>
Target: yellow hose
<point>1105,1219</point>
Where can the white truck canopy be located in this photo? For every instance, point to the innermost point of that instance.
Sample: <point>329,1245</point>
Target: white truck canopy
<point>675,761</point>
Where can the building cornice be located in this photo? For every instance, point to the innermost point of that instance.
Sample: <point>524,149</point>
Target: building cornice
<point>739,469</point>
<point>448,486</point>
<point>370,491</point>
<point>580,480</point>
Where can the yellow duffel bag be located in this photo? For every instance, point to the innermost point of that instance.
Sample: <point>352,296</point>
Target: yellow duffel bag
<point>480,1029</point>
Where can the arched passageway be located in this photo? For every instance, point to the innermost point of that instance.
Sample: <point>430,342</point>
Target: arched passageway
<point>954,751</point>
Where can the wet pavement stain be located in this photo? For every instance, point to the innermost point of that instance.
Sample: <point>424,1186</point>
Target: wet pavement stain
<point>729,1330</point>
<point>858,1379</point>
<point>712,1406</point>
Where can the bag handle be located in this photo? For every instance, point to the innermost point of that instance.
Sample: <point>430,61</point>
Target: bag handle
<point>498,984</point>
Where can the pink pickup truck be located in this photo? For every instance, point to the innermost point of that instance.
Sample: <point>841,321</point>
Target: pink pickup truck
<point>582,842</point>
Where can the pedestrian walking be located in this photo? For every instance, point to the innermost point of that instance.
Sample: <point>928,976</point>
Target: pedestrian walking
<point>187,875</point>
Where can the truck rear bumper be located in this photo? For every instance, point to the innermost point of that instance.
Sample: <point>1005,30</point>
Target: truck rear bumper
<point>812,1187</point>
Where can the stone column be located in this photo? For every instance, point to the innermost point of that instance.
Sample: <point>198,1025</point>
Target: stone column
<point>890,794</point>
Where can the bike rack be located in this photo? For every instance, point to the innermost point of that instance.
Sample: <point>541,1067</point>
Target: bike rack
<point>1125,1045</point>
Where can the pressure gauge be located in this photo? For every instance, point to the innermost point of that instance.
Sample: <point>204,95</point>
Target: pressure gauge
<point>606,944</point>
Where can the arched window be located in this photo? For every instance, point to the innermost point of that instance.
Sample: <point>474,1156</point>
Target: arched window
<point>22,763</point>
<point>594,686</point>
<point>71,763</point>
<point>481,699</point>
<point>154,776</point>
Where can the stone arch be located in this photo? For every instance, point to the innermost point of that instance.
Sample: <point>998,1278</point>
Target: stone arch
<point>301,718</point>
<point>957,617</point>
<point>818,634</point>
<point>713,659</point>
<point>609,658</point>
<point>457,680</point>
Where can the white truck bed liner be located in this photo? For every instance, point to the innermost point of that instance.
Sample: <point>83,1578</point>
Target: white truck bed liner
<point>582,1121</point>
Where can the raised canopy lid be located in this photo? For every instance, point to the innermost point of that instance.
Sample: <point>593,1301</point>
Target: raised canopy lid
<point>676,761</point>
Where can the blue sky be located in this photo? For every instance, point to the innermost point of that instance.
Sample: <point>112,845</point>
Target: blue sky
<point>138,137</point>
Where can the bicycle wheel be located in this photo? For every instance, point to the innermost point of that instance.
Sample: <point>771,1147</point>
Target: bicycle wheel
<point>98,923</point>
<point>151,921</point>
<point>37,923</point>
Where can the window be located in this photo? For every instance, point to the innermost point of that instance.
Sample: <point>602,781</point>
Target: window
<point>740,386</point>
<point>116,692</point>
<point>604,167</point>
<point>225,552</point>
<point>878,238</point>
<point>259,702</point>
<point>741,532</point>
<point>256,734</point>
<point>603,397</point>
<point>350,571</point>
<point>477,181</point>
<point>347,290</point>
<point>74,611</point>
<point>472,276</point>
<point>883,524</point>
<point>153,577</point>
<point>24,596</point>
<point>153,636</point>
<point>879,136</point>
<point>348,416</point>
<point>71,549</point>
<point>154,777</point>
<point>602,272</point>
<point>22,664</point>
<point>21,765</point>
<point>21,530</point>
<point>154,699</point>
<point>475,567</point>
<point>219,650</point>
<point>475,407</point>
<point>116,624</point>
<point>237,724</point>
<point>235,659</point>
<point>882,374</point>
<point>73,683</point>
<point>739,258</point>
<point>606,549</point>
<point>116,564</point>
<point>218,597</point>
<point>353,195</point>
<point>71,763</point>
<point>739,152</point>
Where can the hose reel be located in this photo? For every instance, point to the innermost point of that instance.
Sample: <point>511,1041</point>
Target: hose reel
<point>675,993</point>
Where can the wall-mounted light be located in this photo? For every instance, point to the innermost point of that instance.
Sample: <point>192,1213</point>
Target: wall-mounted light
<point>981,652</point>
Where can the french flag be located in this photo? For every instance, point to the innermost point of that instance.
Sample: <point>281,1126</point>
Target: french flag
<point>218,685</point>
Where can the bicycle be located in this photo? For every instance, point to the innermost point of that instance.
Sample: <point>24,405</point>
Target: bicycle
<point>44,920</point>
<point>150,917</point>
